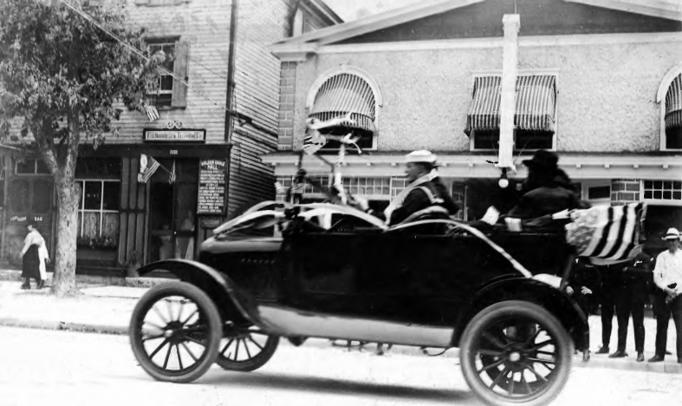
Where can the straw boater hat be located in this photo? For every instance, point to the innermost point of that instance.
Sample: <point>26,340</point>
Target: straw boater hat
<point>672,234</point>
<point>421,156</point>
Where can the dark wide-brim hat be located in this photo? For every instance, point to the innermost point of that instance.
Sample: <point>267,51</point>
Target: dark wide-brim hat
<point>542,159</point>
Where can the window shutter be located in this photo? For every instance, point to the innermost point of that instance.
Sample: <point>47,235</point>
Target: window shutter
<point>180,71</point>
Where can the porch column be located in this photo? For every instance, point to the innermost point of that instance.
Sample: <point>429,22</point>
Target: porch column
<point>511,24</point>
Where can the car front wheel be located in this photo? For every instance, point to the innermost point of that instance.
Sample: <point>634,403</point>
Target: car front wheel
<point>515,352</point>
<point>174,332</point>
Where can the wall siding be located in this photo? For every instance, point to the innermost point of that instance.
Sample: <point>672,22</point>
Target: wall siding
<point>205,25</point>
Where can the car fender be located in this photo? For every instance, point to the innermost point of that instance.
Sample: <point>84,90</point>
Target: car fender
<point>233,303</point>
<point>557,302</point>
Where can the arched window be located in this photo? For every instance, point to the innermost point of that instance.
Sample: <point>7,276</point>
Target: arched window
<point>351,101</point>
<point>670,97</point>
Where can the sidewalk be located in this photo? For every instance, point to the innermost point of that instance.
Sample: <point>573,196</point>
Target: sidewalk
<point>106,309</point>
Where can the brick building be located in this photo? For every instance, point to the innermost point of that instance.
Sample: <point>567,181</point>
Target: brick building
<point>598,82</point>
<point>207,135</point>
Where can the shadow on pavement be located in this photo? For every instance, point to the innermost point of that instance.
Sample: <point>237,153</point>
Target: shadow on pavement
<point>336,386</point>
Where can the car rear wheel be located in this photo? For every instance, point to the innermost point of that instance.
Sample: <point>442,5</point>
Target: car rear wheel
<point>174,332</point>
<point>515,352</point>
<point>245,349</point>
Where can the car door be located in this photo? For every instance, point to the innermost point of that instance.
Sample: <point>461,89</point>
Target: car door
<point>343,271</point>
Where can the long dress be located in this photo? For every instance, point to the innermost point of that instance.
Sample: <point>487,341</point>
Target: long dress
<point>31,263</point>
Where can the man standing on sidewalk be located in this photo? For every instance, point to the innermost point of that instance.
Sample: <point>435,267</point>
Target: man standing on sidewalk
<point>630,297</point>
<point>668,278</point>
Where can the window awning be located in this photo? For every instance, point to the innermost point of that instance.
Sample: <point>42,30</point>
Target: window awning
<point>342,94</point>
<point>673,104</point>
<point>535,103</point>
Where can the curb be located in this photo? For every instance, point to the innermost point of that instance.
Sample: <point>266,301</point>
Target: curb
<point>63,325</point>
<point>127,281</point>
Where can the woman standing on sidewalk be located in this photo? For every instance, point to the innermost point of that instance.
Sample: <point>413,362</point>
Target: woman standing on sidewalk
<point>34,257</point>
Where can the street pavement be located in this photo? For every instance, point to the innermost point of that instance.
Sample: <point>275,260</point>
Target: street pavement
<point>48,367</point>
<point>107,309</point>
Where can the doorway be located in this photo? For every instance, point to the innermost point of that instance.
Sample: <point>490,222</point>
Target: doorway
<point>172,210</point>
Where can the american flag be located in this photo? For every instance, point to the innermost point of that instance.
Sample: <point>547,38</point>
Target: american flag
<point>610,233</point>
<point>148,166</point>
<point>151,112</point>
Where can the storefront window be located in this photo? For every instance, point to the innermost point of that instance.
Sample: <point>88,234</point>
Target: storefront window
<point>31,167</point>
<point>98,207</point>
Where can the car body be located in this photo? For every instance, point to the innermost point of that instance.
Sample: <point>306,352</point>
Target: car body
<point>331,271</point>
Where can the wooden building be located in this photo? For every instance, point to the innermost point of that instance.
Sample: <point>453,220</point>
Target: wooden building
<point>206,136</point>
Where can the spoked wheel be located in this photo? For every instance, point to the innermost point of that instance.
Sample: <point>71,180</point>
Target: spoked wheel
<point>175,330</point>
<point>245,348</point>
<point>515,352</point>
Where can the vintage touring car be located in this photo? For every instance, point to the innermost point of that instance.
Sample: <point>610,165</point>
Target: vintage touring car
<point>336,272</point>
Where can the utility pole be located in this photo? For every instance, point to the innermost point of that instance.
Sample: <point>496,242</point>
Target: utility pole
<point>229,96</point>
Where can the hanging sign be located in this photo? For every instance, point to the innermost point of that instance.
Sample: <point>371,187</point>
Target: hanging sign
<point>211,199</point>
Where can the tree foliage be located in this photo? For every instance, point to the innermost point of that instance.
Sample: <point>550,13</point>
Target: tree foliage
<point>59,72</point>
<point>64,80</point>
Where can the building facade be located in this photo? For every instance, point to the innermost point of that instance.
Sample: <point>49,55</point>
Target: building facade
<point>206,124</point>
<point>598,82</point>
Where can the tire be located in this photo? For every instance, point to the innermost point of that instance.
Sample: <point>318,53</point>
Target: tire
<point>515,352</point>
<point>170,324</point>
<point>246,350</point>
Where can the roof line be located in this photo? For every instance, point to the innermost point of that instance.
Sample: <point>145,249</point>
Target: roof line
<point>309,42</point>
<point>668,9</point>
<point>376,22</point>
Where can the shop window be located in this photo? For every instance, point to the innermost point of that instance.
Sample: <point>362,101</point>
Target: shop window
<point>31,167</point>
<point>98,217</point>
<point>524,140</point>
<point>663,190</point>
<point>599,192</point>
<point>169,90</point>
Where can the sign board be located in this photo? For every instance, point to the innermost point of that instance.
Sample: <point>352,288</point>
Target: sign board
<point>211,199</point>
<point>156,135</point>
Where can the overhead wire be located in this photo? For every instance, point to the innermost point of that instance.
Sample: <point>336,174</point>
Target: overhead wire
<point>242,117</point>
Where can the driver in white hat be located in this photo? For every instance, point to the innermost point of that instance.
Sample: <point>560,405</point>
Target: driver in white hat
<point>424,190</point>
<point>668,277</point>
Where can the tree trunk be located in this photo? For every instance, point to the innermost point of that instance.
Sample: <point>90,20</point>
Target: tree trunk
<point>64,281</point>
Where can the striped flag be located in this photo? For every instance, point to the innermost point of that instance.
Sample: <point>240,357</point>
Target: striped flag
<point>313,142</point>
<point>610,233</point>
<point>151,112</point>
<point>148,166</point>
<point>171,174</point>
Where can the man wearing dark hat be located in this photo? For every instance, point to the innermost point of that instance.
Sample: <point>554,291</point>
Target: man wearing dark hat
<point>668,278</point>
<point>547,188</point>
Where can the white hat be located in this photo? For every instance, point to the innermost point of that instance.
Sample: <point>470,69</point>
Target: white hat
<point>421,155</point>
<point>672,234</point>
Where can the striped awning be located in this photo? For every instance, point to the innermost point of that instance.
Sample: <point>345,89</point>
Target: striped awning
<point>535,103</point>
<point>673,104</point>
<point>342,94</point>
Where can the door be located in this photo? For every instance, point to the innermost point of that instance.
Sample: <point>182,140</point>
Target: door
<point>172,210</point>
<point>29,198</point>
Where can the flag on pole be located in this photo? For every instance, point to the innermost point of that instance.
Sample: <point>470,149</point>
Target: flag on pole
<point>610,233</point>
<point>151,112</point>
<point>171,174</point>
<point>148,166</point>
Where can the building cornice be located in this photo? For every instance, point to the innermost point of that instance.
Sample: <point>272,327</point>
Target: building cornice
<point>496,42</point>
<point>666,166</point>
